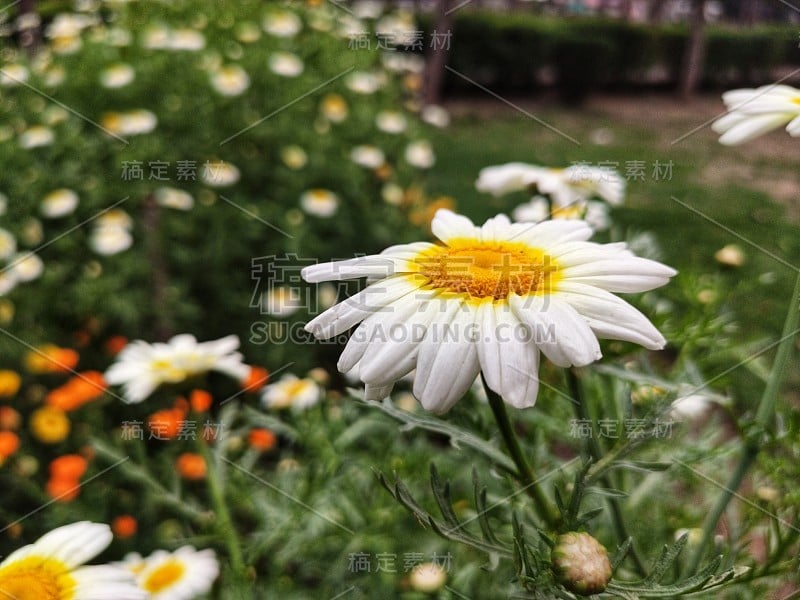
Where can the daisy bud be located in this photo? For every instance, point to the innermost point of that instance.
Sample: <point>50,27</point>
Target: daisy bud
<point>581,563</point>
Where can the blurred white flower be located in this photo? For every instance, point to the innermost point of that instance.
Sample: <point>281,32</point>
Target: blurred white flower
<point>26,266</point>
<point>54,76</point>
<point>66,45</point>
<point>170,197</point>
<point>391,121</point>
<point>399,27</point>
<point>534,211</point>
<point>53,115</point>
<point>186,39</point>
<point>428,578</point>
<point>319,202</point>
<point>334,108</point>
<point>754,112</point>
<point>184,574</point>
<point>8,244</point>
<point>285,64</point>
<point>66,25</point>
<point>420,154</point>
<point>36,136</point>
<point>108,240</point>
<point>291,392</point>
<point>156,37</point>
<point>134,122</point>
<point>294,157</point>
<point>141,367</point>
<point>118,37</point>
<point>247,32</point>
<point>117,76</point>
<point>363,82</point>
<point>597,216</point>
<point>368,156</point>
<point>59,203</point>
<point>392,194</point>
<point>31,233</point>
<point>282,301</point>
<point>282,23</point>
<point>116,217</point>
<point>219,173</point>
<point>230,80</point>
<point>327,295</point>
<point>690,408</point>
<point>13,74</point>
<point>731,255</point>
<point>368,9</point>
<point>403,62</point>
<point>436,116</point>
<point>7,282</point>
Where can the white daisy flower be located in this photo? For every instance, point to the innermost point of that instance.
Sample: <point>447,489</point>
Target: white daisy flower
<point>51,568</point>
<point>230,80</point>
<point>26,266</point>
<point>294,157</point>
<point>108,240</point>
<point>392,194</point>
<point>391,121</point>
<point>186,39</point>
<point>488,299</point>
<point>116,217</point>
<point>36,136</point>
<point>181,575</point>
<point>13,74</point>
<point>285,64</point>
<point>319,202</point>
<point>66,25</point>
<point>170,197</point>
<point>282,23</point>
<point>754,112</point>
<point>134,122</point>
<point>368,9</point>
<point>8,244</point>
<point>59,203</point>
<point>370,157</point>
<point>219,173</point>
<point>291,392</point>
<point>334,108</point>
<point>117,76</point>
<point>282,301</point>
<point>362,82</point>
<point>398,27</point>
<point>420,154</point>
<point>403,62</point>
<point>141,367</point>
<point>7,282</point>
<point>436,116</point>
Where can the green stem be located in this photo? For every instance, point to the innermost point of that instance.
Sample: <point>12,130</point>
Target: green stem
<point>764,416</point>
<point>225,525</point>
<point>525,473</point>
<point>593,449</point>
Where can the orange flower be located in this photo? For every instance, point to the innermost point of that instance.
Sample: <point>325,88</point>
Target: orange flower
<point>63,490</point>
<point>115,344</point>
<point>9,418</point>
<point>200,400</point>
<point>124,526</point>
<point>9,383</point>
<point>69,466</point>
<point>181,404</point>
<point>191,466</point>
<point>51,359</point>
<point>166,424</point>
<point>9,444</point>
<point>256,379</point>
<point>262,439</point>
<point>79,390</point>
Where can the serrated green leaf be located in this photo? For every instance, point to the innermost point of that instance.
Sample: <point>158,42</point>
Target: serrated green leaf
<point>441,492</point>
<point>665,559</point>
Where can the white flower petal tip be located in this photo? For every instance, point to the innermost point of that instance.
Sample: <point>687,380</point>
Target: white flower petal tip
<point>486,299</point>
<point>755,112</point>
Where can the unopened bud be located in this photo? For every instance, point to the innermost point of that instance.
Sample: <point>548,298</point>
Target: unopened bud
<point>580,563</point>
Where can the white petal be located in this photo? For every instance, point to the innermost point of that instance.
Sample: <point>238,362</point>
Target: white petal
<point>611,317</point>
<point>354,268</point>
<point>549,233</point>
<point>341,317</point>
<point>620,274</point>
<point>496,229</point>
<point>72,544</point>
<point>726,122</point>
<point>558,330</point>
<point>510,363</point>
<point>448,360</point>
<point>446,225</point>
<point>752,128</point>
<point>794,127</point>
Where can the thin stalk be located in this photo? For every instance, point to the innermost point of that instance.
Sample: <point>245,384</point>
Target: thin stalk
<point>225,525</point>
<point>593,449</point>
<point>763,420</point>
<point>525,473</point>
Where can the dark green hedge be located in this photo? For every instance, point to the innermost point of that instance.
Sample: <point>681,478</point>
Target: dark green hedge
<point>521,53</point>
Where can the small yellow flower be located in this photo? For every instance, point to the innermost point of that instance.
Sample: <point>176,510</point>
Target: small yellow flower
<point>49,425</point>
<point>9,383</point>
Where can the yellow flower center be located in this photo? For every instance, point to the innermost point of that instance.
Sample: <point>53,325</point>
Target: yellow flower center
<point>36,578</point>
<point>483,270</point>
<point>167,371</point>
<point>164,576</point>
<point>294,388</point>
